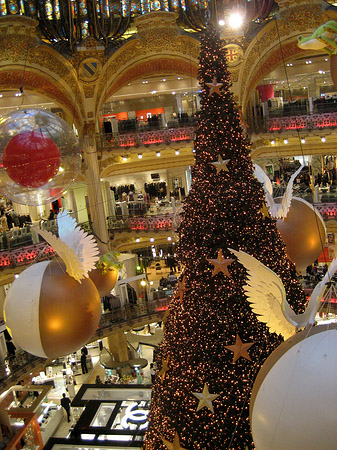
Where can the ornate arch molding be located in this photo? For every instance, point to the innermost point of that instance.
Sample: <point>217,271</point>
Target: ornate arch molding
<point>137,59</point>
<point>275,42</point>
<point>35,82</point>
<point>37,67</point>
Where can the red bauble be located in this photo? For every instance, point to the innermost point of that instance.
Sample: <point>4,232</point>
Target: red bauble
<point>31,159</point>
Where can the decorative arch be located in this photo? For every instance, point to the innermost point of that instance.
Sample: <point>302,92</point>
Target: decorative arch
<point>135,59</point>
<point>275,42</point>
<point>36,82</point>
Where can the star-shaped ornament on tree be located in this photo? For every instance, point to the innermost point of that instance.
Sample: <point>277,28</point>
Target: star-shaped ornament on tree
<point>181,289</point>
<point>265,211</point>
<point>220,264</point>
<point>164,368</point>
<point>221,164</point>
<point>214,87</point>
<point>240,349</point>
<point>205,398</point>
<point>175,445</point>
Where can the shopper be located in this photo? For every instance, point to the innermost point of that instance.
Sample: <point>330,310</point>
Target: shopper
<point>65,403</point>
<point>98,380</point>
<point>152,372</point>
<point>84,362</point>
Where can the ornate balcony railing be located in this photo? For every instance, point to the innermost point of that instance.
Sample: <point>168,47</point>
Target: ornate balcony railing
<point>145,138</point>
<point>125,317</point>
<point>293,123</point>
<point>141,223</point>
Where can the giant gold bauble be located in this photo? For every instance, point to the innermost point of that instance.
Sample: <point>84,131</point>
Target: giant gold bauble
<point>104,282</point>
<point>293,403</point>
<point>303,231</point>
<point>49,313</point>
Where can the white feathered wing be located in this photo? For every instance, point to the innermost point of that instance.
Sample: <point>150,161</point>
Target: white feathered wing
<point>78,250</point>
<point>266,295</point>
<point>276,210</point>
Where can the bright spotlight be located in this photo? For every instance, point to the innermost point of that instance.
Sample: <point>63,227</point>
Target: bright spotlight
<point>221,22</point>
<point>235,20</point>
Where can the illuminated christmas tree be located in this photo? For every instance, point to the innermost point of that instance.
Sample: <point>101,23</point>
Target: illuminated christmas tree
<point>214,345</point>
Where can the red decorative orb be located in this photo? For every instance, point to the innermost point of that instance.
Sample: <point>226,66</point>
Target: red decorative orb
<point>31,159</point>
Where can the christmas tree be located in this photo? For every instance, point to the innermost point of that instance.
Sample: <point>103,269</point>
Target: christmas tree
<point>213,344</point>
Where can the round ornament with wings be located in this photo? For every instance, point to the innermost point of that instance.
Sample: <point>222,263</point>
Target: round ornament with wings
<point>267,297</point>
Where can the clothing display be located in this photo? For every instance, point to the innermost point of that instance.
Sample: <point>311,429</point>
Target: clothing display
<point>156,189</point>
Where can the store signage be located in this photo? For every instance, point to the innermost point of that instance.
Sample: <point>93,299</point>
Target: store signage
<point>136,416</point>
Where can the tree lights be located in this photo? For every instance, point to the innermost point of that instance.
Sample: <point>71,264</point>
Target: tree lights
<point>209,317</point>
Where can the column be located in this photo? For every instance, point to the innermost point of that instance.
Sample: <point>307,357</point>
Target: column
<point>110,199</point>
<point>179,103</point>
<point>96,206</point>
<point>118,346</point>
<point>72,203</point>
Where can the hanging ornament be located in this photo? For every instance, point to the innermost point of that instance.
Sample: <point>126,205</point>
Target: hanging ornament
<point>105,275</point>
<point>52,309</point>
<point>303,232</point>
<point>293,405</point>
<point>40,156</point>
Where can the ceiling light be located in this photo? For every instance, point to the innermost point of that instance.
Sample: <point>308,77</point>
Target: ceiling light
<point>221,22</point>
<point>124,158</point>
<point>18,94</point>
<point>153,92</point>
<point>140,156</point>
<point>303,141</point>
<point>61,169</point>
<point>177,152</point>
<point>235,20</point>
<point>285,141</point>
<point>0,95</point>
<point>169,238</point>
<point>163,79</point>
<point>179,78</point>
<point>151,239</point>
<point>137,240</point>
<point>158,154</point>
<point>273,142</point>
<point>145,82</point>
<point>143,283</point>
<point>323,139</point>
<point>173,93</point>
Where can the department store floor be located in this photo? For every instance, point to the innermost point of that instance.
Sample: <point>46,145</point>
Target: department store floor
<point>56,394</point>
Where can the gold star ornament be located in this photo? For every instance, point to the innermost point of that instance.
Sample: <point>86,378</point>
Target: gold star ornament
<point>265,211</point>
<point>221,164</point>
<point>205,398</point>
<point>175,445</point>
<point>220,264</point>
<point>164,368</point>
<point>240,349</point>
<point>214,87</point>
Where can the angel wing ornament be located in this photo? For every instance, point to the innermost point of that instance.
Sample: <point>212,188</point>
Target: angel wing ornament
<point>78,250</point>
<point>276,210</point>
<point>267,297</point>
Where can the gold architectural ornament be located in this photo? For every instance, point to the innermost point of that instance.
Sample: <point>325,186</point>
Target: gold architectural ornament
<point>234,55</point>
<point>89,70</point>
